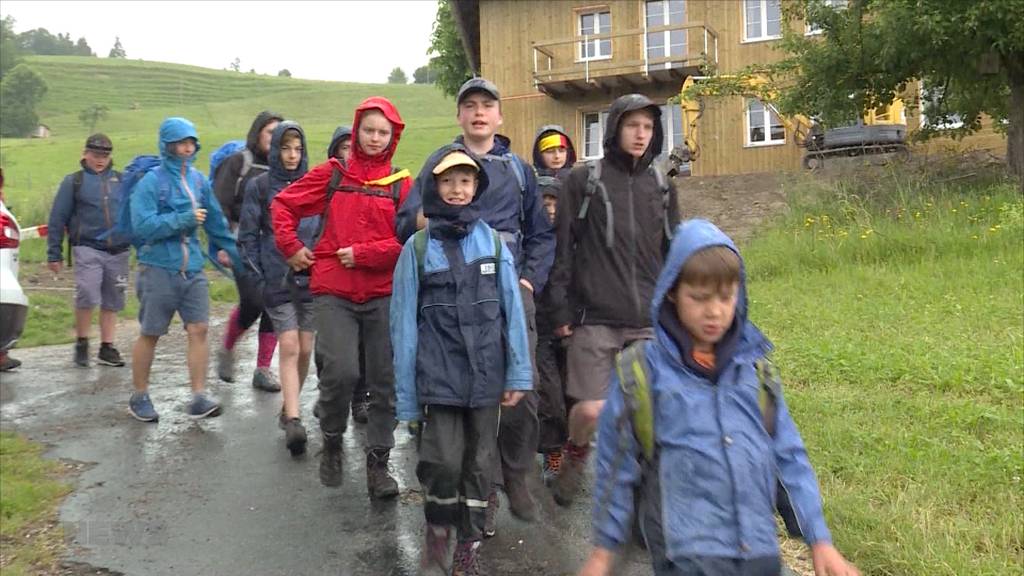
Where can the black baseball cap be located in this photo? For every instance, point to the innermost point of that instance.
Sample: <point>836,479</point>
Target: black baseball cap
<point>477,85</point>
<point>99,143</point>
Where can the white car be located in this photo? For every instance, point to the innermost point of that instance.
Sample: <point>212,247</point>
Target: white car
<point>13,302</point>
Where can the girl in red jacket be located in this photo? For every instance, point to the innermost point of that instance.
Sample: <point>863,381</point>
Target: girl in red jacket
<point>352,263</point>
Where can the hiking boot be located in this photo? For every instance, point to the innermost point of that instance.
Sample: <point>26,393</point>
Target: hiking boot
<point>109,355</point>
<point>379,481</point>
<point>330,460</point>
<point>552,466</point>
<point>141,407</point>
<point>295,436</point>
<point>467,559</point>
<point>361,411</point>
<point>574,463</point>
<point>491,515</point>
<point>263,379</point>
<point>82,352</point>
<point>520,503</point>
<point>7,363</point>
<point>202,406</point>
<point>435,553</point>
<point>226,365</point>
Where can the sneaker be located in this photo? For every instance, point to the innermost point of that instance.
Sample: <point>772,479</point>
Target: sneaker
<point>82,352</point>
<point>552,466</point>
<point>7,363</point>
<point>467,559</point>
<point>574,462</point>
<point>361,411</point>
<point>379,481</point>
<point>520,503</point>
<point>295,436</point>
<point>226,365</point>
<point>109,355</point>
<point>435,553</point>
<point>141,407</point>
<point>491,515</point>
<point>330,461</point>
<point>202,406</point>
<point>263,379</point>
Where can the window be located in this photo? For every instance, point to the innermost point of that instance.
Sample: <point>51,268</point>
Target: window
<point>762,20</point>
<point>764,127</point>
<point>667,42</point>
<point>593,134</point>
<point>672,127</point>
<point>835,5</point>
<point>932,100</point>
<point>595,23</point>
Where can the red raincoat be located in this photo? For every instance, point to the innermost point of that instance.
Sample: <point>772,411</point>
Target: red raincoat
<point>363,221</point>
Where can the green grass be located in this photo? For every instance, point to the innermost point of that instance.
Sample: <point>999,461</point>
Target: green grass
<point>31,493</point>
<point>141,94</point>
<point>898,318</point>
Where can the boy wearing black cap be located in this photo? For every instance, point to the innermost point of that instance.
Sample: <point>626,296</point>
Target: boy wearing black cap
<point>87,205</point>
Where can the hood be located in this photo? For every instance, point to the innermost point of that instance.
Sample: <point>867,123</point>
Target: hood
<point>544,131</point>
<point>174,129</point>
<point>548,185</point>
<point>397,126</point>
<point>340,133</point>
<point>277,169</point>
<point>619,108</point>
<point>252,140</point>
<point>444,217</point>
<point>688,238</point>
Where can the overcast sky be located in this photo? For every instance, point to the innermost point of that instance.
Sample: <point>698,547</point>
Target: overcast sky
<point>350,40</point>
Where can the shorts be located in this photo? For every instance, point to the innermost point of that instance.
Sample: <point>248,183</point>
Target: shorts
<point>590,358</point>
<point>291,316</point>
<point>100,278</point>
<point>163,292</point>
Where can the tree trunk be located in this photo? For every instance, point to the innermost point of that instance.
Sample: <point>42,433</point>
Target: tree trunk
<point>1015,131</point>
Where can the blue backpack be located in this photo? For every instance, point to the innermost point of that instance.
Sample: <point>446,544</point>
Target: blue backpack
<point>222,153</point>
<point>133,173</point>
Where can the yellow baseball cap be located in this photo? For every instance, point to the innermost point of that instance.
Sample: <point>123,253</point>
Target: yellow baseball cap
<point>455,159</point>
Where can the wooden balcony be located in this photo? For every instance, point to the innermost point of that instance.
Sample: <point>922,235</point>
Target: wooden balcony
<point>562,67</point>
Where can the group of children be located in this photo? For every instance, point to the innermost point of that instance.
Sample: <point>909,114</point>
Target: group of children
<point>436,294</point>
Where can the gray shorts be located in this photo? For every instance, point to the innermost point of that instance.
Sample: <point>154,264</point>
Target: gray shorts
<point>100,278</point>
<point>590,358</point>
<point>292,316</point>
<point>163,292</point>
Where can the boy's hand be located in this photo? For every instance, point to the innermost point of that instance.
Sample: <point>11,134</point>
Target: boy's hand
<point>829,562</point>
<point>526,284</point>
<point>200,215</point>
<point>511,397</point>
<point>563,331</point>
<point>421,220</point>
<point>54,267</point>
<point>301,260</point>
<point>224,258</point>
<point>347,257</point>
<point>599,563</point>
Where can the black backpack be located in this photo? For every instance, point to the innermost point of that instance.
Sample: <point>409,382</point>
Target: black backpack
<point>595,185</point>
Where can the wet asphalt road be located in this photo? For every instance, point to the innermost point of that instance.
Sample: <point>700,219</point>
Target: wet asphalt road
<point>223,497</point>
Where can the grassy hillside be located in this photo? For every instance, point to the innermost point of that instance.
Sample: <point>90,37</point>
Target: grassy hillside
<point>222,104</point>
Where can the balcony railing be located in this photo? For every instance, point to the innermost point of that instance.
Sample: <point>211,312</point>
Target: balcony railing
<point>562,66</point>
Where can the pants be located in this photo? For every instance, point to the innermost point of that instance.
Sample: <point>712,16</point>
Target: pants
<point>552,414</point>
<point>708,566</point>
<point>361,391</point>
<point>341,326</point>
<point>457,448</point>
<point>250,304</point>
<point>100,278</point>
<point>517,435</point>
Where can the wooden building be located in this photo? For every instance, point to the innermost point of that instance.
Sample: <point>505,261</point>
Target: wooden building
<point>565,61</point>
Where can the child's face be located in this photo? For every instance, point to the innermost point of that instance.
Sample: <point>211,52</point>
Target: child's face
<point>551,207</point>
<point>457,186</point>
<point>374,132</point>
<point>291,152</point>
<point>706,311</point>
<point>554,158</point>
<point>96,160</point>
<point>479,116</point>
<point>343,150</point>
<point>183,148</point>
<point>265,136</point>
<point>637,129</point>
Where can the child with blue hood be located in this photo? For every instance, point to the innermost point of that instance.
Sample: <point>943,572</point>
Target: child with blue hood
<point>460,350</point>
<point>704,482</point>
<point>168,206</point>
<point>286,296</point>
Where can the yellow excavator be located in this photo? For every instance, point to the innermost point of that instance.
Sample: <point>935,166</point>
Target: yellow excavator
<point>880,131</point>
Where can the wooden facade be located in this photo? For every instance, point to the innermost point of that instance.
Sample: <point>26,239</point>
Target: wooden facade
<point>531,49</point>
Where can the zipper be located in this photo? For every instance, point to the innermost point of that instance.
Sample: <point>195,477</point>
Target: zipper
<point>105,186</point>
<point>184,237</point>
<point>633,251</point>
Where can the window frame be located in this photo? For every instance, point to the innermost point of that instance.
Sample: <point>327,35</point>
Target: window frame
<point>763,4</point>
<point>767,111</point>
<point>666,20</point>
<point>835,4</point>
<point>594,11</point>
<point>602,120</point>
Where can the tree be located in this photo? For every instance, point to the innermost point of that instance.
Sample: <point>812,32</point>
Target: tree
<point>425,74</point>
<point>93,114</point>
<point>10,51</point>
<point>284,72</point>
<point>41,41</point>
<point>236,64</point>
<point>397,76</point>
<point>450,62</point>
<point>118,50</point>
<point>21,89</point>
<point>82,48</point>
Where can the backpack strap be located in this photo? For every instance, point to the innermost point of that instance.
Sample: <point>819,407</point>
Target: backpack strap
<point>519,171</point>
<point>634,379</point>
<point>332,187</point>
<point>666,198</point>
<point>595,185</point>
<point>769,389</point>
